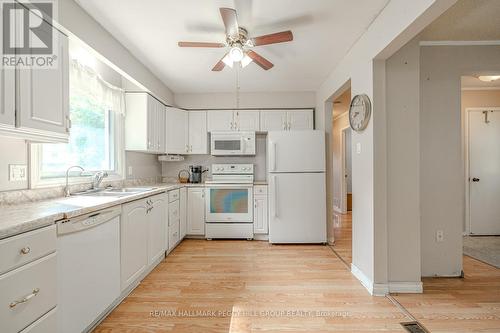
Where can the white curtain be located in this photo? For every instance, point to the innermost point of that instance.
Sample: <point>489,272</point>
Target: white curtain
<point>85,81</point>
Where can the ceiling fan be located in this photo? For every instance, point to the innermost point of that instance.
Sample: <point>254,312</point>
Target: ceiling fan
<point>240,43</point>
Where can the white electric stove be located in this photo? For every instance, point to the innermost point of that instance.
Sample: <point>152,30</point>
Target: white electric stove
<point>229,202</point>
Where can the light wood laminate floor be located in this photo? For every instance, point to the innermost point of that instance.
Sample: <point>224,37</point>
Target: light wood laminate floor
<point>342,231</point>
<point>255,281</point>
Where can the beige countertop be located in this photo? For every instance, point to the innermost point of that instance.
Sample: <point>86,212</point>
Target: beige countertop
<point>16,219</point>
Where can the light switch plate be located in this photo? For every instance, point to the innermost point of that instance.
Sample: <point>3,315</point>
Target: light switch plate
<point>18,172</point>
<point>358,148</point>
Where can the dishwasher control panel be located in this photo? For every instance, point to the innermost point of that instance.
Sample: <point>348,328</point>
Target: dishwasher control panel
<point>87,221</point>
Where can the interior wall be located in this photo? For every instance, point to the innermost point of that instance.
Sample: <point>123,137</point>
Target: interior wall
<point>296,99</point>
<point>398,23</point>
<point>403,159</point>
<point>442,162</point>
<point>170,170</point>
<point>12,151</point>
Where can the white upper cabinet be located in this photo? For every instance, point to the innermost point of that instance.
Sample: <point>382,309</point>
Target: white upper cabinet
<point>247,120</point>
<point>300,120</point>
<point>198,136</point>
<point>220,120</point>
<point>7,96</point>
<point>273,121</point>
<point>286,120</point>
<point>41,96</point>
<point>233,120</point>
<point>144,123</point>
<point>177,131</point>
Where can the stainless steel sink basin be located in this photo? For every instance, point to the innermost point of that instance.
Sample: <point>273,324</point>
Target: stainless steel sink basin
<point>114,192</point>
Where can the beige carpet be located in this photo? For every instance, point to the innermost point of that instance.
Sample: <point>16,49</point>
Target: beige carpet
<point>484,248</point>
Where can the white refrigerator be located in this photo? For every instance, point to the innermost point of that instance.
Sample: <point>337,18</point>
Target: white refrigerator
<point>297,194</point>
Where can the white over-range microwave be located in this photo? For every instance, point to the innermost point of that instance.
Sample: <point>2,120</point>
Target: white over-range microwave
<point>232,143</point>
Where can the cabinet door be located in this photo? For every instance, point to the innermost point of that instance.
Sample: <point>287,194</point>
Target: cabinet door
<point>134,241</point>
<point>260,224</point>
<point>300,120</point>
<point>177,131</point>
<point>272,120</point>
<point>196,212</point>
<point>156,226</point>
<point>161,127</point>
<point>247,120</point>
<point>198,136</point>
<point>220,120</point>
<point>183,212</point>
<point>152,119</point>
<point>7,95</point>
<point>43,95</point>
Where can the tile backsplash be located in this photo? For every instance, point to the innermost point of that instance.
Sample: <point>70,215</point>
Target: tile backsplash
<point>170,170</point>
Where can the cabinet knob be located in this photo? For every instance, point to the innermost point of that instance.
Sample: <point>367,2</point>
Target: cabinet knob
<point>25,250</point>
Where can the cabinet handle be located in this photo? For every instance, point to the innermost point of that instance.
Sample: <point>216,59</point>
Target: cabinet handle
<point>191,148</point>
<point>25,250</point>
<point>25,298</point>
<point>187,148</point>
<point>255,203</point>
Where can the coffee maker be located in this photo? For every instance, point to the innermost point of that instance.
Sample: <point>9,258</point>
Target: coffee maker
<point>195,173</point>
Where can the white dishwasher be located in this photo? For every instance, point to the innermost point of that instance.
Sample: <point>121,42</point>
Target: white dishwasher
<point>88,268</point>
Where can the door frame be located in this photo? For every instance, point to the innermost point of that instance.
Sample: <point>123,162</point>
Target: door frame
<point>467,161</point>
<point>343,185</point>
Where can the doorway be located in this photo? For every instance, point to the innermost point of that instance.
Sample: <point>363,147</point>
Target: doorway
<point>342,176</point>
<point>481,113</point>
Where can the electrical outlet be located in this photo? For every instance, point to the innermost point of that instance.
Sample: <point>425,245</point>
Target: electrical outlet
<point>130,171</point>
<point>439,235</point>
<point>18,172</point>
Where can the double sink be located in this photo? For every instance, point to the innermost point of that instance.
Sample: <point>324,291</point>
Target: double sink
<point>114,192</point>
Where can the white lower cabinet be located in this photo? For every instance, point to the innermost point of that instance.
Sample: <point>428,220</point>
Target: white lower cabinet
<point>142,236</point>
<point>46,324</point>
<point>196,211</point>
<point>156,226</point>
<point>174,215</point>
<point>260,207</point>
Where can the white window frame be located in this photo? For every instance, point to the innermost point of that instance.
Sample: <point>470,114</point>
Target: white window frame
<point>35,161</point>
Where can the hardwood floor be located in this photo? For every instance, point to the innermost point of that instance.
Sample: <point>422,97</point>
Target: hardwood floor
<point>241,286</point>
<point>342,229</point>
<point>455,305</point>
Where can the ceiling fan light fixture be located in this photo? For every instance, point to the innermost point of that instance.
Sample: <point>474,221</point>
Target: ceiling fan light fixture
<point>245,61</point>
<point>236,53</point>
<point>228,61</point>
<point>488,78</point>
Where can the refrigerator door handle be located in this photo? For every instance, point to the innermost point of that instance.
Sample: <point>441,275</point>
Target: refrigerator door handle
<point>273,156</point>
<point>275,197</point>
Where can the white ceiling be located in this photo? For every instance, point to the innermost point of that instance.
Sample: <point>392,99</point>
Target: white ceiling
<point>474,82</point>
<point>324,30</point>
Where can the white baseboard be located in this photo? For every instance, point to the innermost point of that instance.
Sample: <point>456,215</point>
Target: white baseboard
<point>261,237</point>
<point>406,287</point>
<point>377,289</point>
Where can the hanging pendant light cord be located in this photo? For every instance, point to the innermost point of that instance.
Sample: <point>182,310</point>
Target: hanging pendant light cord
<point>237,86</point>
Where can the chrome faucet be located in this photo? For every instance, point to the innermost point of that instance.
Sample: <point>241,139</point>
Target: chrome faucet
<point>97,179</point>
<point>66,189</point>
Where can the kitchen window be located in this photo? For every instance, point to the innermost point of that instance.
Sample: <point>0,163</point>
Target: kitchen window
<point>95,141</point>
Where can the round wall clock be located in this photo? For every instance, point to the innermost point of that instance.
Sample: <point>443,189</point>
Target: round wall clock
<point>359,112</point>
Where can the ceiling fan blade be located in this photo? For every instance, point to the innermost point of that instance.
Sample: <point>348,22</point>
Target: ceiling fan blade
<point>220,65</point>
<point>279,37</point>
<point>230,20</point>
<point>200,44</point>
<point>260,60</point>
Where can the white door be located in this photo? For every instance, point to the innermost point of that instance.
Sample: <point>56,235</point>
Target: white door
<point>198,136</point>
<point>273,121</point>
<point>156,226</point>
<point>134,241</point>
<point>177,131</point>
<point>301,151</point>
<point>220,120</point>
<point>247,120</point>
<point>297,208</point>
<point>484,172</point>
<point>43,96</point>
<point>300,120</point>
<point>183,213</point>
<point>196,212</point>
<point>260,224</point>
